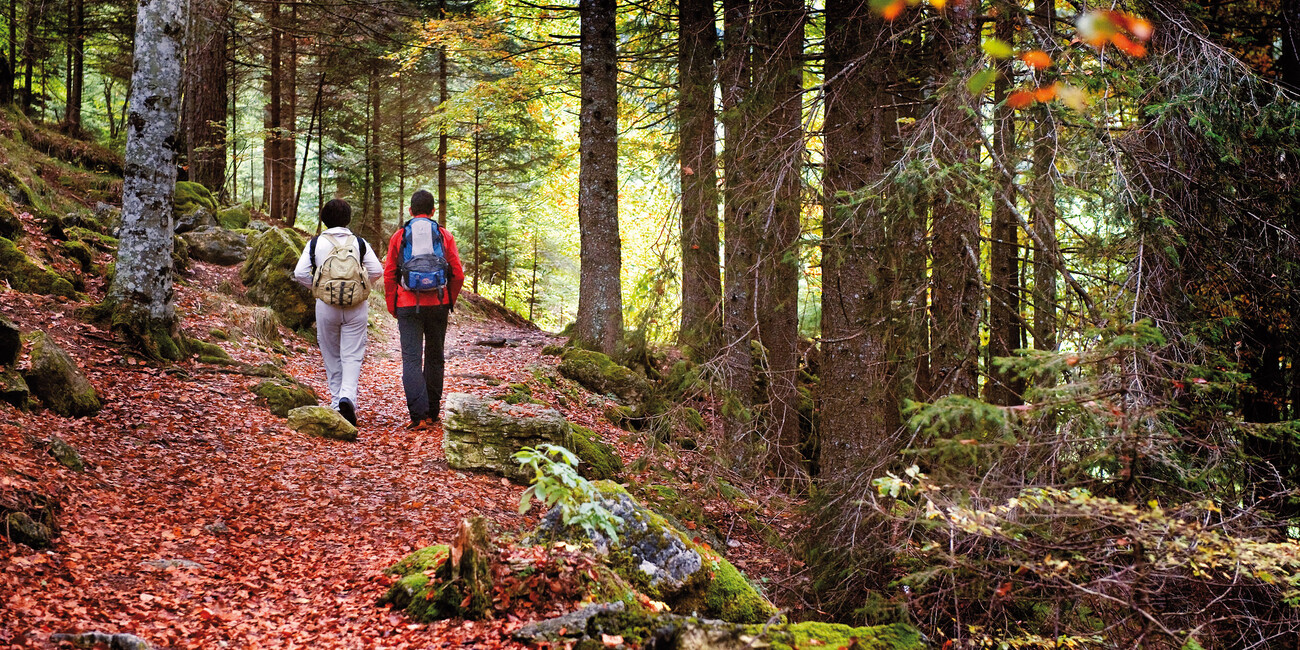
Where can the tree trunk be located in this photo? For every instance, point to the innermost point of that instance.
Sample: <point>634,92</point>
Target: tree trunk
<point>288,154</point>
<point>31,18</point>
<point>778,93</point>
<point>1289,63</point>
<point>13,47</point>
<point>1005,332</point>
<point>77,91</point>
<point>956,298</point>
<point>701,279</point>
<point>206,94</point>
<point>442,131</point>
<point>478,259</point>
<point>141,293</point>
<point>376,187</point>
<point>859,411</point>
<point>739,321</point>
<point>1042,209</point>
<point>275,122</point>
<point>600,296</point>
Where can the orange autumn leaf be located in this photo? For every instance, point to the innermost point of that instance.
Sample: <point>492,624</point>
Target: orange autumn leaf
<point>1128,46</point>
<point>1045,93</point>
<point>1036,59</point>
<point>894,10</point>
<point>1020,99</point>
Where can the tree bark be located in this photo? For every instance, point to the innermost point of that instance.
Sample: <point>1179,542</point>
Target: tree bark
<point>376,187</point>
<point>778,92</point>
<point>701,279</point>
<point>141,293</point>
<point>442,130</point>
<point>859,408</point>
<point>1005,332</point>
<point>31,20</point>
<point>288,153</point>
<point>739,321</point>
<point>1043,207</point>
<point>478,259</point>
<point>206,94</point>
<point>275,122</point>
<point>600,297</point>
<point>956,298</point>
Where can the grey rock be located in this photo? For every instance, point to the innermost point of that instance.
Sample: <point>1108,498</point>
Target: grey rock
<point>174,562</point>
<point>113,641</point>
<point>55,378</point>
<point>566,627</point>
<point>483,434</point>
<point>259,225</point>
<point>66,454</point>
<point>14,389</point>
<point>199,217</point>
<point>216,245</point>
<point>25,530</point>
<point>321,422</point>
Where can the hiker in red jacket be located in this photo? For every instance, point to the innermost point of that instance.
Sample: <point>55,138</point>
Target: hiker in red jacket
<point>422,278</point>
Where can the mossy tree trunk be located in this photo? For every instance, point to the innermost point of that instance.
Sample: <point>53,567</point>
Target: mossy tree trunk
<point>141,296</point>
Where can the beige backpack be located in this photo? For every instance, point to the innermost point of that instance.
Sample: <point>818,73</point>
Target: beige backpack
<point>341,280</point>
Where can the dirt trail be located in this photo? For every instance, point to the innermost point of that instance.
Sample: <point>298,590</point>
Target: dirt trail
<point>289,533</point>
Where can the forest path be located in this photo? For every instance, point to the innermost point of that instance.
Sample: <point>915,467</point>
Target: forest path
<point>290,534</point>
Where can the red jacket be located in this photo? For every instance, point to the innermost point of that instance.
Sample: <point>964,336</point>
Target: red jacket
<point>399,298</point>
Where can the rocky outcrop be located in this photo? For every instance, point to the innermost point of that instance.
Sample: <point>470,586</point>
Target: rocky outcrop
<point>321,422</point>
<point>664,562</point>
<point>14,389</point>
<point>25,275</point>
<point>199,217</point>
<point>268,275</point>
<point>97,639</point>
<point>190,196</point>
<point>216,245</point>
<point>482,433</point>
<point>55,378</point>
<point>283,395</point>
<point>598,373</point>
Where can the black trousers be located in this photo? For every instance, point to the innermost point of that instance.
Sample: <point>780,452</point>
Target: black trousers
<point>423,333</point>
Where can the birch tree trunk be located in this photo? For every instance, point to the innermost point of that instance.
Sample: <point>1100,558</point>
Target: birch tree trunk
<point>140,296</point>
<point>600,294</point>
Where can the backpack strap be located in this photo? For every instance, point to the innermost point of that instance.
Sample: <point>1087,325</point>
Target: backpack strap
<point>361,244</point>
<point>312,255</point>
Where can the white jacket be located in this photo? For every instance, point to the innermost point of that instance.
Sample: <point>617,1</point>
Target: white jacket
<point>325,246</point>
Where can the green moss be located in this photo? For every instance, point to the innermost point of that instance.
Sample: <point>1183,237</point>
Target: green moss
<point>25,275</point>
<point>731,597</point>
<point>284,395</point>
<point>89,237</point>
<point>553,350</point>
<point>425,559</point>
<point>190,196</point>
<point>219,334</point>
<point>55,378</point>
<point>693,420</point>
<point>801,636</point>
<point>235,217</point>
<point>619,416</point>
<point>268,274</point>
<point>80,252</point>
<point>600,460</point>
<point>205,349</point>
<point>601,374</point>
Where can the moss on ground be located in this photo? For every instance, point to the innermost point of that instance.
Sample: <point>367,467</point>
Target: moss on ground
<point>601,460</point>
<point>284,395</point>
<point>79,252</point>
<point>799,636</point>
<point>425,559</point>
<point>601,374</point>
<point>106,243</point>
<point>190,196</point>
<point>25,275</point>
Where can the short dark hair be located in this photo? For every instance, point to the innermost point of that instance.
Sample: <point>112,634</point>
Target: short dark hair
<point>336,213</point>
<point>421,202</point>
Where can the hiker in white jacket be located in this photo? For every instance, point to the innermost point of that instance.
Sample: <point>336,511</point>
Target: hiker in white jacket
<point>340,327</point>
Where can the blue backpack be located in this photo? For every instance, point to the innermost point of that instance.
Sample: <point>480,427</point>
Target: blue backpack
<point>422,266</point>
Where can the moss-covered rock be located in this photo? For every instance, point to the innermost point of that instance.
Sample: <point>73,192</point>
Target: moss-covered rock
<point>601,374</point>
<point>282,395</point>
<point>190,196</point>
<point>79,252</point>
<point>216,245</point>
<point>665,563</point>
<point>520,394</point>
<point>10,225</point>
<point>14,389</point>
<point>11,342</point>
<point>481,433</point>
<point>66,454</point>
<point>25,530</point>
<point>92,238</point>
<point>321,422</point>
<point>797,636</point>
<point>198,217</point>
<point>434,586</point>
<point>25,275</point>
<point>55,378</point>
<point>268,275</point>
<point>235,217</point>
<point>600,460</point>
<point>552,350</point>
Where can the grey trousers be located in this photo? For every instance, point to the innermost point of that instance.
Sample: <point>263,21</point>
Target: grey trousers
<point>423,333</point>
<point>342,337</point>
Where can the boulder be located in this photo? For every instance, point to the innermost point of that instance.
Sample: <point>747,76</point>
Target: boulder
<point>55,378</point>
<point>198,217</point>
<point>10,225</point>
<point>268,275</point>
<point>598,373</point>
<point>97,639</point>
<point>79,252</point>
<point>11,342</point>
<point>25,275</point>
<point>216,245</point>
<point>481,433</point>
<point>234,217</point>
<point>109,217</point>
<point>664,562</point>
<point>25,530</point>
<point>282,395</point>
<point>14,389</point>
<point>321,422</point>
<point>66,454</point>
<point>190,196</point>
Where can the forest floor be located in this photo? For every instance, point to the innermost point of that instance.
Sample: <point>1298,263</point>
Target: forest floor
<point>284,536</point>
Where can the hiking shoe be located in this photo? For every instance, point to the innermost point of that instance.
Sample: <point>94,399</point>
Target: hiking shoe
<point>419,425</point>
<point>348,411</point>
